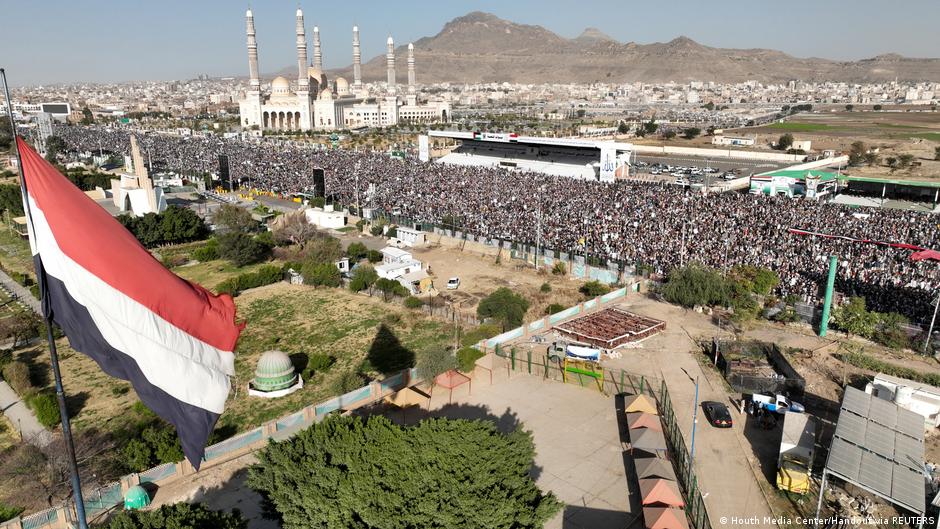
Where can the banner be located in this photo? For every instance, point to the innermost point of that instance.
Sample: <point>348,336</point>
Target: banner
<point>424,153</point>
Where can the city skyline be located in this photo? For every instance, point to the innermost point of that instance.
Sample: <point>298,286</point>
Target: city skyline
<point>173,40</point>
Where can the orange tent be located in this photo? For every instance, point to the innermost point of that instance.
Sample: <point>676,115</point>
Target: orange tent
<point>450,380</point>
<point>664,518</point>
<point>639,419</point>
<point>654,467</point>
<point>410,396</point>
<point>640,403</point>
<point>660,492</point>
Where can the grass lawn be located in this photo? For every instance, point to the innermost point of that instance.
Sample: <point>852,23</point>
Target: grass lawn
<point>795,126</point>
<point>15,253</point>
<point>210,273</point>
<point>8,434</point>
<point>931,136</point>
<point>346,229</point>
<point>290,318</point>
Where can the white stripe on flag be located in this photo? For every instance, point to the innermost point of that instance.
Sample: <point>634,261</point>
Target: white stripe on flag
<point>185,367</point>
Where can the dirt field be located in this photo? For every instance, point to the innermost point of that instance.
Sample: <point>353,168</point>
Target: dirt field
<point>893,133</point>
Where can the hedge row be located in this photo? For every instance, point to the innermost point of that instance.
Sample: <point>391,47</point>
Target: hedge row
<point>266,275</point>
<point>864,361</point>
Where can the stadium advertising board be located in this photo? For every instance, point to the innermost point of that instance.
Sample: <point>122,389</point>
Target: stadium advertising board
<point>493,136</point>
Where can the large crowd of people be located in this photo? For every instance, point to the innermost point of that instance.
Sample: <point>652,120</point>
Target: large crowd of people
<point>629,222</point>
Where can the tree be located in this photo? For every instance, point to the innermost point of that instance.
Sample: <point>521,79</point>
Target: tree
<point>177,516</point>
<point>356,251</point>
<point>433,362</point>
<point>20,327</point>
<point>876,107</point>
<point>390,288</point>
<point>54,146</point>
<point>352,472</point>
<point>892,162</point>
<point>696,285</point>
<point>872,158</point>
<point>6,135</point>
<point>784,142</point>
<point>853,318</point>
<point>905,160</point>
<point>363,278</point>
<point>504,306</point>
<point>231,218</point>
<point>321,274</point>
<point>691,133</point>
<point>87,117</point>
<point>623,128</point>
<point>242,249</point>
<point>650,127</point>
<point>857,153</point>
<point>323,249</point>
<point>849,108</point>
<point>709,106</point>
<point>10,199</point>
<point>581,112</point>
<point>294,229</point>
<point>669,134</point>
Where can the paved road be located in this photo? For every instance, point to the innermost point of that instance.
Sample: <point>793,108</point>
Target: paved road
<point>22,417</point>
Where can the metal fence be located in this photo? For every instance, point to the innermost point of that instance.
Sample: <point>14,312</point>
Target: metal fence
<point>621,381</point>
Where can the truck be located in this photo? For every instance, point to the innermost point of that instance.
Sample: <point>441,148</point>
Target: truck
<point>775,403</point>
<point>797,447</point>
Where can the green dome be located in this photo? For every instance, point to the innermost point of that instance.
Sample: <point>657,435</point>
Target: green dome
<point>274,372</point>
<point>136,498</point>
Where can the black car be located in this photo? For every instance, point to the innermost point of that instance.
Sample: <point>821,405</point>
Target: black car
<point>717,413</point>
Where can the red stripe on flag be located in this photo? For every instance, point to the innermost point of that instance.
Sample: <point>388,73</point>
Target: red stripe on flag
<point>88,235</point>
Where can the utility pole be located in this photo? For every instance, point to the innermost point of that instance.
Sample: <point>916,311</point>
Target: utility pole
<point>932,320</point>
<point>694,424</point>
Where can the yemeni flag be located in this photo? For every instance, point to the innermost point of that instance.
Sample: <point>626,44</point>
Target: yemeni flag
<point>173,340</point>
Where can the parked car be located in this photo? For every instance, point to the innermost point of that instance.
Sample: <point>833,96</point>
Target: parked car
<point>717,414</point>
<point>453,283</point>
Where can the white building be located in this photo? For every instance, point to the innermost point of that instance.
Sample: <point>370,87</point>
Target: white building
<point>314,103</point>
<point>410,237</point>
<point>732,140</point>
<point>326,217</point>
<point>917,397</point>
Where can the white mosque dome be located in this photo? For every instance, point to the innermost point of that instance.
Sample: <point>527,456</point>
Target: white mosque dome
<point>280,85</point>
<point>342,86</point>
<point>326,94</point>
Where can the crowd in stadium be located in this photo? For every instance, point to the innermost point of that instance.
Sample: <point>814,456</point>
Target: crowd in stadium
<point>658,226</point>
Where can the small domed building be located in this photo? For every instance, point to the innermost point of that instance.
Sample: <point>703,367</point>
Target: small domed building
<point>136,498</point>
<point>274,376</point>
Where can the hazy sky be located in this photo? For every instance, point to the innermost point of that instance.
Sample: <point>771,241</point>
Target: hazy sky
<point>49,41</point>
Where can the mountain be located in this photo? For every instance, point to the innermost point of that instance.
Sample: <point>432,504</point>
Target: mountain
<point>481,47</point>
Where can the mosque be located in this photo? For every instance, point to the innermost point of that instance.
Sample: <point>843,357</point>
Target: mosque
<point>316,103</point>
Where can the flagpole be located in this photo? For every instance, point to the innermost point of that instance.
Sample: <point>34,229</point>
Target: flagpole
<point>53,352</point>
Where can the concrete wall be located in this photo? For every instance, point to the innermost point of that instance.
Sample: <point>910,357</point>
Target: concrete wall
<point>718,153</point>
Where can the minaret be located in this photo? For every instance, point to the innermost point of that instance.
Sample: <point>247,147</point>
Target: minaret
<point>390,64</point>
<point>411,68</point>
<point>317,56</point>
<point>254,80</point>
<point>303,82</point>
<point>357,61</point>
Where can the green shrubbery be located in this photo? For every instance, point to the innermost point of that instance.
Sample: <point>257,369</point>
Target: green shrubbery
<point>554,308</point>
<point>386,476</point>
<point>503,306</point>
<point>882,327</point>
<point>467,357</point>
<point>155,445</point>
<point>266,275</point>
<point>594,288</point>
<point>864,361</point>
<point>8,512</point>
<point>242,249</point>
<point>697,285</point>
<point>545,288</point>
<point>321,274</point>
<point>46,407</point>
<point>317,363</point>
<point>175,225</point>
<point>177,516</point>
<point>208,251</point>
<point>412,302</point>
